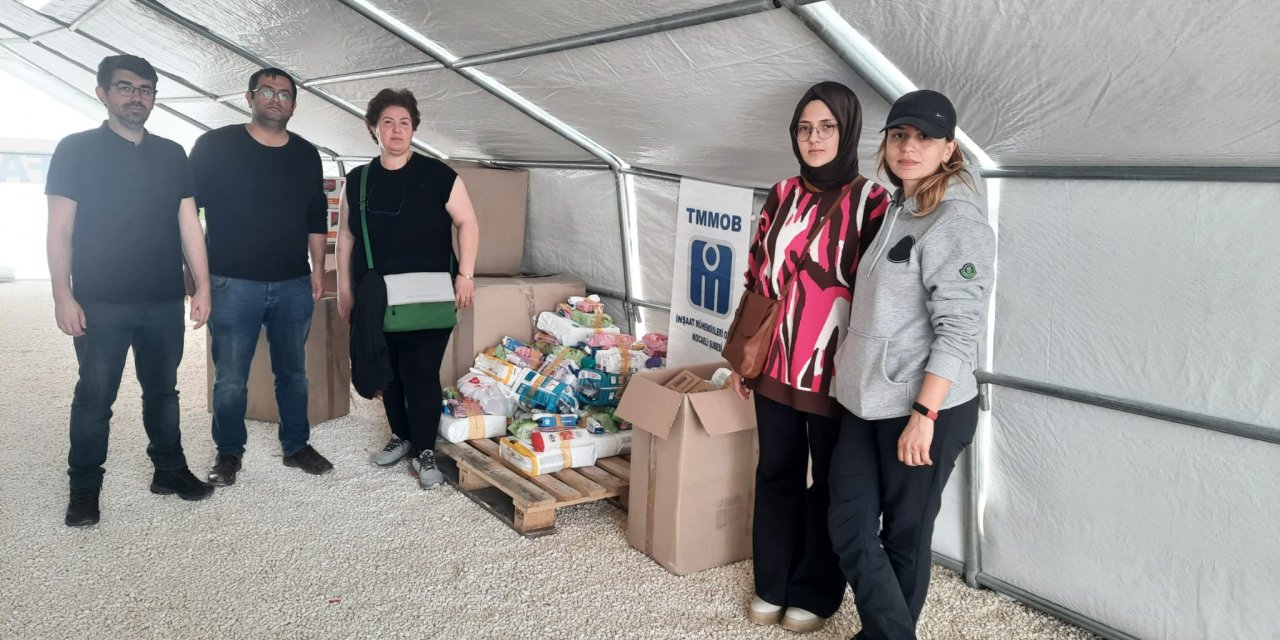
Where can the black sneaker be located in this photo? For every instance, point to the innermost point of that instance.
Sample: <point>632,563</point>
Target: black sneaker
<point>223,471</point>
<point>182,482</point>
<point>82,508</point>
<point>309,460</point>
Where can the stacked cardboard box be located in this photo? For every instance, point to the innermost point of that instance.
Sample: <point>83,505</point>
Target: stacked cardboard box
<point>692,469</point>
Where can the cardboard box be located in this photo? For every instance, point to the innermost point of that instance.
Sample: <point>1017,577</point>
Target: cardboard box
<point>693,460</point>
<point>500,198</point>
<point>507,307</point>
<point>328,370</point>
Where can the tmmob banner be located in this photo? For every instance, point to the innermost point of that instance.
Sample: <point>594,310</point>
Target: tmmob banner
<point>713,236</point>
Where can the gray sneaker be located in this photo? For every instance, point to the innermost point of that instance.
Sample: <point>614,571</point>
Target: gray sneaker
<point>425,466</point>
<point>392,453</point>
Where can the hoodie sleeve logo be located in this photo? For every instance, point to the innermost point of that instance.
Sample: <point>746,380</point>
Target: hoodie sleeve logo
<point>901,252</point>
<point>968,271</point>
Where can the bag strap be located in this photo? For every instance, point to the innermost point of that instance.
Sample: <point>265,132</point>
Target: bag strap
<point>364,225</point>
<point>813,235</point>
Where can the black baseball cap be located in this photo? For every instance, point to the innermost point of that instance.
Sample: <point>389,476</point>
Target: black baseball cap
<point>928,111</point>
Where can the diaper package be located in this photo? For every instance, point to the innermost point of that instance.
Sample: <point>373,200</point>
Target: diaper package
<point>472,427</point>
<point>567,455</point>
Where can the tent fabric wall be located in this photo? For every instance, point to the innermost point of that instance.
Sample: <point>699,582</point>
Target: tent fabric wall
<point>1161,530</point>
<point>572,227</point>
<point>1149,290</point>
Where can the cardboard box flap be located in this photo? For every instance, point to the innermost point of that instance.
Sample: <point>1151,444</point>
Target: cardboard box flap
<point>649,406</point>
<point>722,412</point>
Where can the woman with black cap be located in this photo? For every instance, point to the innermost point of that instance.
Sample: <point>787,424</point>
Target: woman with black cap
<point>906,369</point>
<point>813,229</point>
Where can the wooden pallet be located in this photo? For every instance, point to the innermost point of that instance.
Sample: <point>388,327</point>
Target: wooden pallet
<point>527,503</point>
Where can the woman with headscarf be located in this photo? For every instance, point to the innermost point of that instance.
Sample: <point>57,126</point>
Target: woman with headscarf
<point>834,212</point>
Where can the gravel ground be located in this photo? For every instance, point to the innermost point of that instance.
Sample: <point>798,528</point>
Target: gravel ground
<point>361,552</point>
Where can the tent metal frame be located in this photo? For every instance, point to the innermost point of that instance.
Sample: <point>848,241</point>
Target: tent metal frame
<point>833,31</point>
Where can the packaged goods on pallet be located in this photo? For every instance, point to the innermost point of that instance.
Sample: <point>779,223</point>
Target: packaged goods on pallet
<point>612,444</point>
<point>577,453</point>
<point>571,375</point>
<point>474,427</point>
<point>544,440</point>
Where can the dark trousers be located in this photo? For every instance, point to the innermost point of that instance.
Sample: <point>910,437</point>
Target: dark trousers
<point>887,561</point>
<point>793,560</point>
<point>412,400</point>
<point>240,310</point>
<point>154,330</point>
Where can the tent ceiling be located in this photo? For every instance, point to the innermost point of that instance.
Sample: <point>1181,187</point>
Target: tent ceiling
<point>88,53</point>
<point>309,39</point>
<point>461,119</point>
<point>17,17</point>
<point>1073,83</point>
<point>711,101</point>
<point>67,10</point>
<point>482,26</point>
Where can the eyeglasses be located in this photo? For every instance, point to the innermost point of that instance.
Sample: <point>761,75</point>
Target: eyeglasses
<point>127,90</point>
<point>825,130</point>
<point>267,93</point>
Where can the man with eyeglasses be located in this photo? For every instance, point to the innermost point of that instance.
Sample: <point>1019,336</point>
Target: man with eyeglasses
<point>122,217</point>
<point>260,186</point>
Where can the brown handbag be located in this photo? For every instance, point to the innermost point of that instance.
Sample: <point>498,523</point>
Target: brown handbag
<point>747,346</point>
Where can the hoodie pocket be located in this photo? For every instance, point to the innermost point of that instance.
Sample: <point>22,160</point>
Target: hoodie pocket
<point>863,380</point>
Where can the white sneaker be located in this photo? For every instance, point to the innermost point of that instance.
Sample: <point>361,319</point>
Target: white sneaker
<point>392,453</point>
<point>761,612</point>
<point>801,621</point>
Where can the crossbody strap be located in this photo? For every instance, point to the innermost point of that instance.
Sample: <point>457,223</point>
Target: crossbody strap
<point>813,235</point>
<point>364,225</point>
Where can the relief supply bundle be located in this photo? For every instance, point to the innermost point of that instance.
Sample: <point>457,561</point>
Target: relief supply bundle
<point>567,455</point>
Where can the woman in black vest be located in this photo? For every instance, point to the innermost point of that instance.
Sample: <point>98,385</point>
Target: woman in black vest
<point>413,203</point>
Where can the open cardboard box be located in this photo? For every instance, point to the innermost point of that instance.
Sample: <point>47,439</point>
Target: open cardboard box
<point>692,471</point>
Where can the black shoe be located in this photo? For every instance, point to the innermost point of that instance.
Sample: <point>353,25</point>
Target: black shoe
<point>223,471</point>
<point>309,460</point>
<point>182,482</point>
<point>82,508</point>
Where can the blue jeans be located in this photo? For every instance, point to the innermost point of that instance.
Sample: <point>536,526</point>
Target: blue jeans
<point>240,309</point>
<point>154,330</point>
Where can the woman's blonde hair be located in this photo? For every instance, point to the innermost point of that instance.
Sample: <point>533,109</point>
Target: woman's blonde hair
<point>931,190</point>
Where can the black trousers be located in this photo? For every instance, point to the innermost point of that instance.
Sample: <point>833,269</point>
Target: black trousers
<point>882,515</point>
<point>412,400</point>
<point>794,563</point>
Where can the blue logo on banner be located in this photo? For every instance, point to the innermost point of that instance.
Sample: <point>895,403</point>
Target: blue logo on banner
<point>710,275</point>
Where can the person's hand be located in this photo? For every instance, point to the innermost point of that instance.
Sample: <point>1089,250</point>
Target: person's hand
<point>740,387</point>
<point>464,289</point>
<point>913,444</point>
<point>69,316</point>
<point>346,301</point>
<point>317,285</point>
<point>201,305</point>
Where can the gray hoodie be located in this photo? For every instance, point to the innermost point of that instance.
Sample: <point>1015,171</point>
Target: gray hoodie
<point>919,306</point>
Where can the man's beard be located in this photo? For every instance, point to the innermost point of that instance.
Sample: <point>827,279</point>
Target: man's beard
<point>131,118</point>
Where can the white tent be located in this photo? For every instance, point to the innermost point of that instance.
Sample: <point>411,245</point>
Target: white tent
<point>1125,475</point>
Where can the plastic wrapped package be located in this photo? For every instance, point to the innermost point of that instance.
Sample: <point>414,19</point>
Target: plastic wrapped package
<point>619,360</point>
<point>569,454</point>
<point>600,420</point>
<point>494,397</point>
<point>474,427</point>
<point>544,440</point>
<point>522,428</point>
<point>612,444</point>
<point>496,368</point>
<point>539,392</point>
<point>598,388</point>
<point>547,420</point>
<point>566,331</point>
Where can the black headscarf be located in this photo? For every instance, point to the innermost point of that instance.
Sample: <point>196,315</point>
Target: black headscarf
<point>845,107</point>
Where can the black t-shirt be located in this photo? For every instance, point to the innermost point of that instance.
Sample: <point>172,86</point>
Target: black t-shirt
<point>409,229</point>
<point>126,246</point>
<point>260,203</point>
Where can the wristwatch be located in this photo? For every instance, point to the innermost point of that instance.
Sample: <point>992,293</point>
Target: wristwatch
<point>924,411</point>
